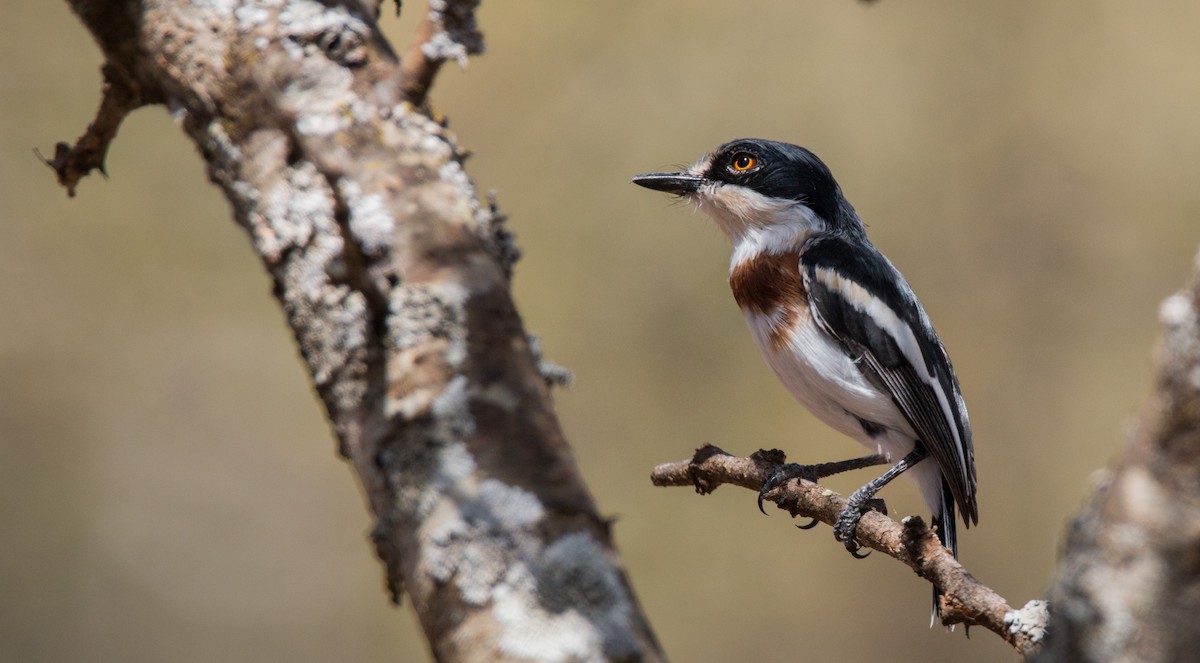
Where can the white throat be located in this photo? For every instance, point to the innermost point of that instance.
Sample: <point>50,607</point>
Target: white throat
<point>754,223</point>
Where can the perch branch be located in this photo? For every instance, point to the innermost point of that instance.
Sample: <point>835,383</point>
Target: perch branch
<point>965,601</point>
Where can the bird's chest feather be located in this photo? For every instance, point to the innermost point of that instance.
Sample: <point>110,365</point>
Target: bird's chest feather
<point>769,287</point>
<point>813,366</point>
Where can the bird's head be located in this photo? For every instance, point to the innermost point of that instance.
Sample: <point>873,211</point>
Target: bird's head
<point>752,185</point>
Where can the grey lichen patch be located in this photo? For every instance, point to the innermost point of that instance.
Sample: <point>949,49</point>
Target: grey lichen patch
<point>574,574</point>
<point>459,36</point>
<point>555,375</point>
<point>452,409</point>
<point>425,470</point>
<point>426,341</point>
<point>1029,620</point>
<point>477,535</point>
<point>424,312</point>
<point>335,331</point>
<point>567,604</point>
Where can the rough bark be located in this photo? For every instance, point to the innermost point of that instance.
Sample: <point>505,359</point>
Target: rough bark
<point>1129,585</point>
<point>395,280</point>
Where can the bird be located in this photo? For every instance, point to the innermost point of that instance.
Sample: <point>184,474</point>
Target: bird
<point>837,323</point>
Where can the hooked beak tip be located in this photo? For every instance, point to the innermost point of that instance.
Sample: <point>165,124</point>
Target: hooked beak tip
<point>677,183</point>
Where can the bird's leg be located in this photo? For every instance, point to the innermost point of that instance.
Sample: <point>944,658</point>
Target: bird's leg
<point>859,501</point>
<point>814,473</point>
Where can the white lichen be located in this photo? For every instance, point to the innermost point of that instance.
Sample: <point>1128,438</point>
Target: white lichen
<point>459,35</point>
<point>321,120</point>
<point>218,7</point>
<point>553,603</point>
<point>307,20</point>
<point>1029,620</point>
<point>1175,311</point>
<point>252,15</point>
<point>567,605</point>
<point>426,339</point>
<point>421,312</point>
<point>293,210</point>
<point>476,533</point>
<point>441,46</point>
<point>370,220</point>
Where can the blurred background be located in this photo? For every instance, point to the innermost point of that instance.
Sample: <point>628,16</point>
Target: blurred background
<point>169,488</point>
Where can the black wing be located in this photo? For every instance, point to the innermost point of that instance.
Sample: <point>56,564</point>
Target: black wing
<point>860,299</point>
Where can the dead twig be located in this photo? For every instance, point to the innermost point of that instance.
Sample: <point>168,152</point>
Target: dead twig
<point>447,32</point>
<point>74,162</point>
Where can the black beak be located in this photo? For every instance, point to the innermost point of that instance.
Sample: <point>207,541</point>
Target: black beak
<point>676,183</point>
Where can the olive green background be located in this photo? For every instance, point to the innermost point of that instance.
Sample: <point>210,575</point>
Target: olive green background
<point>169,489</point>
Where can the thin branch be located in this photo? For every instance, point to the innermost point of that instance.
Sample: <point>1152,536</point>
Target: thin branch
<point>418,70</point>
<point>447,32</point>
<point>74,162</point>
<point>965,600</point>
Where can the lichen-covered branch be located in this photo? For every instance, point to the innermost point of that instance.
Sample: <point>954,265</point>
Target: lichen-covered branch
<point>965,600</point>
<point>395,280</point>
<point>447,32</point>
<point>1129,585</point>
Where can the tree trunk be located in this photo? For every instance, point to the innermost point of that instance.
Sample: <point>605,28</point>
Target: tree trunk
<point>1129,585</point>
<point>395,280</point>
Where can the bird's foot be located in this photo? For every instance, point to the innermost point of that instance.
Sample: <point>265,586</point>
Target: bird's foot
<point>784,474</point>
<point>844,529</point>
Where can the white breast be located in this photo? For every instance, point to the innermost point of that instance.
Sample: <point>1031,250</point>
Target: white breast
<point>818,373</point>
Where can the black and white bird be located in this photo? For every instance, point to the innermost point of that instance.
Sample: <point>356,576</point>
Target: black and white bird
<point>836,321</point>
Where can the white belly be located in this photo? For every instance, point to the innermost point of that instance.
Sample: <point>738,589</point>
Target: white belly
<point>817,371</point>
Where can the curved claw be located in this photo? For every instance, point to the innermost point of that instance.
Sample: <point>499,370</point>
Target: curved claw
<point>851,544</point>
<point>781,476</point>
<point>809,525</point>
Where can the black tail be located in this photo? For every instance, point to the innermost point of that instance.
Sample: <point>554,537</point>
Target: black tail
<point>946,525</point>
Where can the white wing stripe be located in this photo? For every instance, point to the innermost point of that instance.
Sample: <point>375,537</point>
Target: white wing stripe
<point>887,320</point>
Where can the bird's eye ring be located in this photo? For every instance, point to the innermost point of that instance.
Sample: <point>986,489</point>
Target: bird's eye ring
<point>742,162</point>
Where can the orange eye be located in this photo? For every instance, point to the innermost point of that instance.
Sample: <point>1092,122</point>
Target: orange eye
<point>743,162</point>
